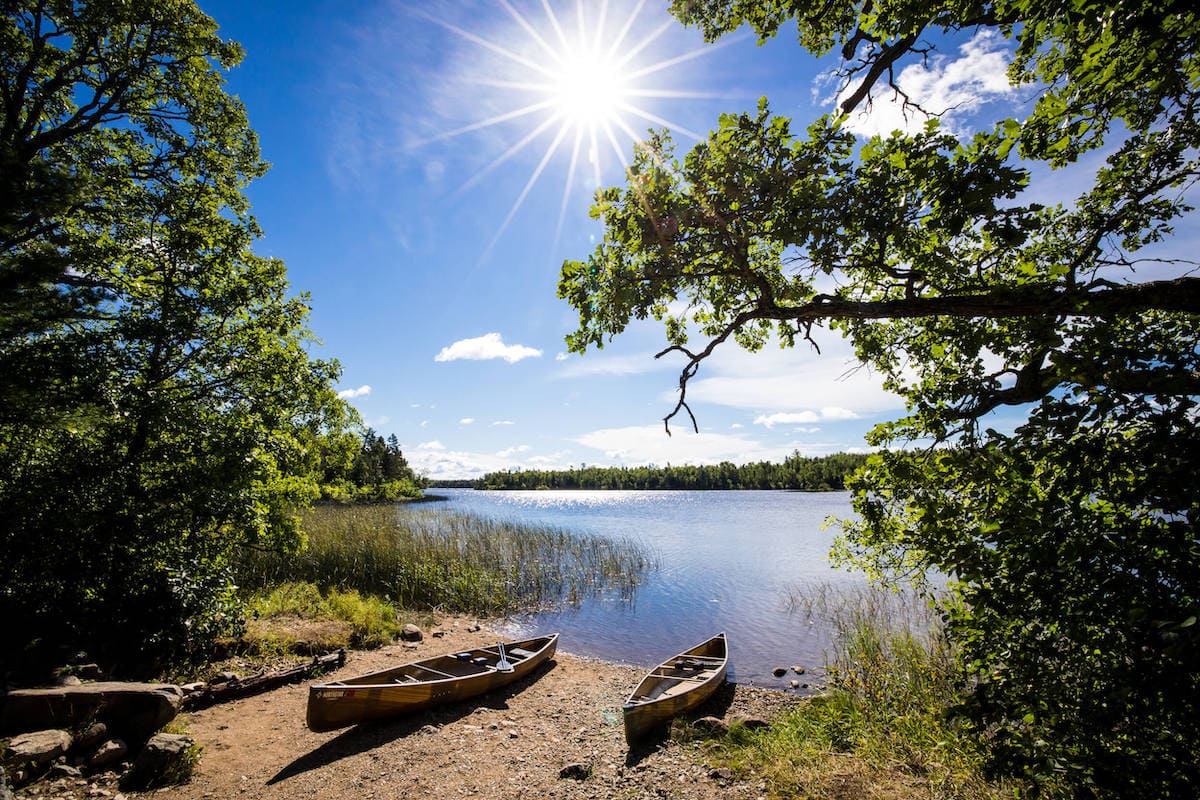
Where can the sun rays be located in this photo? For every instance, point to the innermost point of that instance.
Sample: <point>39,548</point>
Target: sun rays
<point>579,82</point>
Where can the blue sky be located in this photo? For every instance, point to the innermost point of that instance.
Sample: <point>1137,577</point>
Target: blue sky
<point>417,194</point>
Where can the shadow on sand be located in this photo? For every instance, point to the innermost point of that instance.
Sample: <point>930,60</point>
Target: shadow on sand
<point>361,738</point>
<point>715,706</point>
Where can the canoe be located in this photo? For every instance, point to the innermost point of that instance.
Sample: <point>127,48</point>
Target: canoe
<point>678,684</point>
<point>423,684</point>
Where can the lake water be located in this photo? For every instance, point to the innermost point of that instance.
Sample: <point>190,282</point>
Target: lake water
<point>727,560</point>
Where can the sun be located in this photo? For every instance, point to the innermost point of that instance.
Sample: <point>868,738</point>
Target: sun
<point>590,89</point>
<point>581,85</point>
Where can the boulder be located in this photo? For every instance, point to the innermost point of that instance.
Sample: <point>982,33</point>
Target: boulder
<point>712,725</point>
<point>796,668</point>
<point>411,633</point>
<point>751,723</point>
<point>779,672</point>
<point>132,710</point>
<point>166,760</point>
<point>90,738</point>
<point>37,747</point>
<point>111,752</point>
<point>5,792</point>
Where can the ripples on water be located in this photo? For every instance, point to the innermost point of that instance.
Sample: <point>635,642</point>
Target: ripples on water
<point>728,560</point>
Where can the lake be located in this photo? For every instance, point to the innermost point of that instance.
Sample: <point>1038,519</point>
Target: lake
<point>727,560</point>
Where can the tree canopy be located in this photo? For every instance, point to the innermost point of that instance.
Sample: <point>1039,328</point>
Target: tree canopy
<point>158,407</point>
<point>1070,538</point>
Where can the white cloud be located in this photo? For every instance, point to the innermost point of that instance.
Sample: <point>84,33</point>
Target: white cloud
<point>512,451</point>
<point>438,462</point>
<point>466,421</point>
<point>950,87</point>
<point>649,444</point>
<point>348,394</point>
<point>830,385</point>
<point>434,445</point>
<point>737,426</point>
<point>827,413</point>
<point>612,365</point>
<point>484,348</point>
<point>503,422</point>
<point>424,423</point>
<point>561,357</point>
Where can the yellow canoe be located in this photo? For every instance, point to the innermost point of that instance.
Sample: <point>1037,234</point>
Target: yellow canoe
<point>423,684</point>
<point>678,684</point>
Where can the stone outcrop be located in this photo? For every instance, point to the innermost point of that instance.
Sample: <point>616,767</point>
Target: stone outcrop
<point>133,711</point>
<point>37,748</point>
<point>167,758</point>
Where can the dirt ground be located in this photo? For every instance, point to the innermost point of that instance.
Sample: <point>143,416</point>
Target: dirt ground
<point>510,744</point>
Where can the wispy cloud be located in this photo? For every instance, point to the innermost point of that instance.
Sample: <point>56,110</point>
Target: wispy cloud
<point>512,451</point>
<point>488,347</point>
<point>949,87</point>
<point>826,414</point>
<point>611,365</point>
<point>467,421</point>
<point>649,444</point>
<point>349,394</point>
<point>503,422</point>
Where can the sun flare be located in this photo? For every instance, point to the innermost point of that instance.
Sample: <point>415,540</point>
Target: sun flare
<point>590,89</point>
<point>582,83</point>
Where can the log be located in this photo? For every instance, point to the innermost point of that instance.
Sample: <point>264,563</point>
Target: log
<point>235,689</point>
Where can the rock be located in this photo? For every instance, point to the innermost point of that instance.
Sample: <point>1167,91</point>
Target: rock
<point>166,760</point>
<point>795,684</point>
<point>799,670</point>
<point>711,725</point>
<point>90,738</point>
<point>474,628</point>
<point>429,729</point>
<point>224,677</point>
<point>111,752</point>
<point>721,774</point>
<point>5,793</point>
<point>64,771</point>
<point>577,771</point>
<point>69,680</point>
<point>132,710</point>
<point>192,688</point>
<point>438,634</point>
<point>411,633</point>
<point>779,672</point>
<point>38,747</point>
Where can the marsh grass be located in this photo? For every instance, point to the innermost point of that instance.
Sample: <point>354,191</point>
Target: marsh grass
<point>881,727</point>
<point>428,559</point>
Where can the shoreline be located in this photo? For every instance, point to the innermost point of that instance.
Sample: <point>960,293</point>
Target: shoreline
<point>513,742</point>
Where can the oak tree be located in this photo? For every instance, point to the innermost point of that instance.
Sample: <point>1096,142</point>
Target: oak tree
<point>1070,537</point>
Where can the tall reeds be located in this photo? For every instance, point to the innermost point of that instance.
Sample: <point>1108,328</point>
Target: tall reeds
<point>431,559</point>
<point>882,726</point>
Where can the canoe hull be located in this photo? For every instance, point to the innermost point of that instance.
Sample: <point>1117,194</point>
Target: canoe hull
<point>380,695</point>
<point>671,689</point>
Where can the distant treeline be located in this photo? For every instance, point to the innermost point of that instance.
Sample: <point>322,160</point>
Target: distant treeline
<point>826,473</point>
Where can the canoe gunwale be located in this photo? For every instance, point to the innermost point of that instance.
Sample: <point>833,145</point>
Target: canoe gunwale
<point>642,714</point>
<point>340,704</point>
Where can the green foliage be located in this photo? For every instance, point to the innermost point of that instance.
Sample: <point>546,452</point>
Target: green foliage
<point>159,408</point>
<point>373,621</point>
<point>1071,541</point>
<point>825,473</point>
<point>429,559</point>
<point>880,725</point>
<point>370,470</point>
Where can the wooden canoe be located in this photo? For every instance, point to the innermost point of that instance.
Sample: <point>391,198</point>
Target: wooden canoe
<point>422,684</point>
<point>676,685</point>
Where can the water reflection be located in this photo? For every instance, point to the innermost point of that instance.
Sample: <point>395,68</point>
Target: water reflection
<point>726,559</point>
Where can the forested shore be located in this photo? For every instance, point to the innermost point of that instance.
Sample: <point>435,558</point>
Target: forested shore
<point>801,473</point>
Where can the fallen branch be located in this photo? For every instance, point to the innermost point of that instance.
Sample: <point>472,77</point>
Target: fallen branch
<point>234,689</point>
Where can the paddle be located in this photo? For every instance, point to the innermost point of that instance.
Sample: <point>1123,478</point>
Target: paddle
<point>503,665</point>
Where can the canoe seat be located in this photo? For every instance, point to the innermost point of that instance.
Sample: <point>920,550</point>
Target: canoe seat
<point>520,652</point>
<point>407,679</point>
<point>463,656</point>
<point>480,660</point>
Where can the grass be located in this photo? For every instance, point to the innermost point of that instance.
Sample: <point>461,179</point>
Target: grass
<point>366,568</point>
<point>880,729</point>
